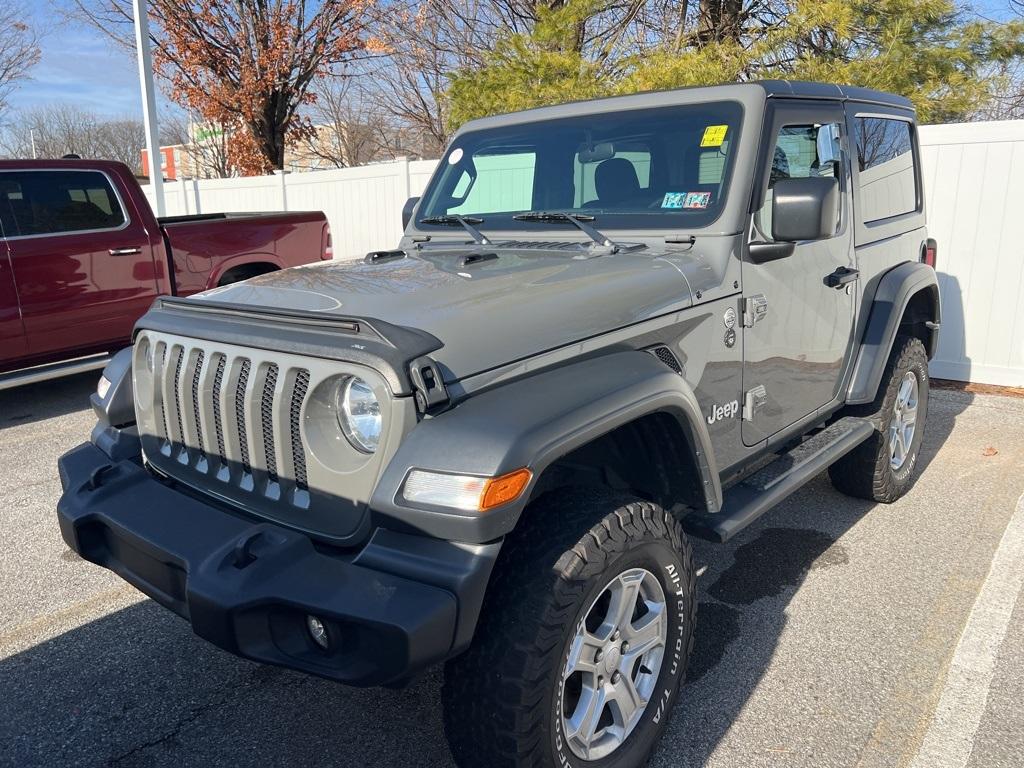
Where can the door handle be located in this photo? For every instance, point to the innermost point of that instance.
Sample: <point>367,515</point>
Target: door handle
<point>841,277</point>
<point>125,251</point>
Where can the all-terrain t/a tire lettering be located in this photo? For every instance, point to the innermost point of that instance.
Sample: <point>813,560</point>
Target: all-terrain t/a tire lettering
<point>505,699</point>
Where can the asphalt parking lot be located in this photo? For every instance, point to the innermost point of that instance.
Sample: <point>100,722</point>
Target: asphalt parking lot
<point>830,634</point>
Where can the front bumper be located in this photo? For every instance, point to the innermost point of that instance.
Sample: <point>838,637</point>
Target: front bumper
<point>400,605</point>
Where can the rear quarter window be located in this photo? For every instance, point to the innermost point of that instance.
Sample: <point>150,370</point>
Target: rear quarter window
<point>887,165</point>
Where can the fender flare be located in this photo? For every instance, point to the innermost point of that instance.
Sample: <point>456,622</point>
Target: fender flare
<point>532,422</point>
<point>895,290</point>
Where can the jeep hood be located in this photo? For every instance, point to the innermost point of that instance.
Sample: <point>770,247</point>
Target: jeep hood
<point>486,313</point>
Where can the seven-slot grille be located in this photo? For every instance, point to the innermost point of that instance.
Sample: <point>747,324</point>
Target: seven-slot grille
<point>215,412</point>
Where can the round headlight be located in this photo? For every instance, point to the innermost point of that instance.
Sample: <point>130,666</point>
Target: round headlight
<point>359,414</point>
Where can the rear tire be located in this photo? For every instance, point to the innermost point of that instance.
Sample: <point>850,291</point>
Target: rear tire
<point>547,641</point>
<point>882,468</point>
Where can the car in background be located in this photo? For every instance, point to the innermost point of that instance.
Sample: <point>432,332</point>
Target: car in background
<point>82,257</point>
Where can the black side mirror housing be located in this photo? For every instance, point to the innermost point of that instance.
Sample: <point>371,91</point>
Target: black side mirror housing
<point>407,209</point>
<point>805,209</point>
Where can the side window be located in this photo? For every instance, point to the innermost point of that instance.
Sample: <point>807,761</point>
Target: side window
<point>711,164</point>
<point>10,198</point>
<point>52,202</point>
<point>885,159</point>
<point>800,151</point>
<point>503,183</point>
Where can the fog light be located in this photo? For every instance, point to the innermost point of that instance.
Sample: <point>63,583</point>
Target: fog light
<point>318,632</point>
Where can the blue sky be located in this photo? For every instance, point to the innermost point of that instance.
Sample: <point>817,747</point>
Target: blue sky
<point>81,66</point>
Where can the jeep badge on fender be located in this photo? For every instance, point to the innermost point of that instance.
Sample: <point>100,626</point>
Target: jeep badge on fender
<point>488,446</point>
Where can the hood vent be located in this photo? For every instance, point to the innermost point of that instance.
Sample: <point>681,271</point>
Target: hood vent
<point>543,245</point>
<point>664,354</point>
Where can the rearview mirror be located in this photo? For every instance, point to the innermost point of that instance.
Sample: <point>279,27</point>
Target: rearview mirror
<point>805,209</point>
<point>596,153</point>
<point>407,209</point>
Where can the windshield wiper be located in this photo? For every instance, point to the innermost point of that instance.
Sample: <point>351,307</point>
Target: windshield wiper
<point>466,222</point>
<point>578,219</point>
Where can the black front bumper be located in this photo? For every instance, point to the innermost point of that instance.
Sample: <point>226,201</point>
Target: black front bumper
<point>400,605</point>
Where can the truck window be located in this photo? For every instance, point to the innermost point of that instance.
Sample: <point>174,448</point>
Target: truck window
<point>886,161</point>
<point>55,202</point>
<point>801,151</point>
<point>10,195</point>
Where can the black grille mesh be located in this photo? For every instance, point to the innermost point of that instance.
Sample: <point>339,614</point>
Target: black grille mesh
<point>196,374</point>
<point>295,410</point>
<point>177,392</point>
<point>243,438</point>
<point>218,388</point>
<point>160,399</point>
<point>267,419</point>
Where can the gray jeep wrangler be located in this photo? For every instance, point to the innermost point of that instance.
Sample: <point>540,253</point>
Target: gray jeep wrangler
<point>609,325</point>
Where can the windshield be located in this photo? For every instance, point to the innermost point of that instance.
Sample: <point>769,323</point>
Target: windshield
<point>667,167</point>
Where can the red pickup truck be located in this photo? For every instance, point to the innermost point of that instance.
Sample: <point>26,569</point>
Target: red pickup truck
<point>82,257</point>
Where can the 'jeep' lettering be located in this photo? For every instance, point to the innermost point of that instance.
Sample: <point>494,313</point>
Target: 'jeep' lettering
<point>727,411</point>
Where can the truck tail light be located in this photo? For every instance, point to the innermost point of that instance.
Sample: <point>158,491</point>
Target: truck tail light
<point>928,254</point>
<point>328,253</point>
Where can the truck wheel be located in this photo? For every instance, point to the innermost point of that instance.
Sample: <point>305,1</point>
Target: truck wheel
<point>583,639</point>
<point>882,467</point>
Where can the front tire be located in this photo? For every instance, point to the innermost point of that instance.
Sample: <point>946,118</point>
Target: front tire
<point>551,678</point>
<point>882,468</point>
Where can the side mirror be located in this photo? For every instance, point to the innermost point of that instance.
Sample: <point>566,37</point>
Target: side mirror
<point>407,210</point>
<point>805,209</point>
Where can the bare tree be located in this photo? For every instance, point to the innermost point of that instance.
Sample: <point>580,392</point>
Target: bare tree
<point>19,49</point>
<point>62,129</point>
<point>205,145</point>
<point>348,128</point>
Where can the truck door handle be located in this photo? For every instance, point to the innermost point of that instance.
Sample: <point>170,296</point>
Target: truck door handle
<point>125,251</point>
<point>841,277</point>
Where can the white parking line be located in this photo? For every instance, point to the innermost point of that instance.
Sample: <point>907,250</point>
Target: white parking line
<point>950,737</point>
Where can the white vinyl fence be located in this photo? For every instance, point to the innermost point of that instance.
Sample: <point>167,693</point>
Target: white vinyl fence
<point>974,188</point>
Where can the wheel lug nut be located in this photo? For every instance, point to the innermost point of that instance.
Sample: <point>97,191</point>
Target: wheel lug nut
<point>615,678</point>
<point>625,647</point>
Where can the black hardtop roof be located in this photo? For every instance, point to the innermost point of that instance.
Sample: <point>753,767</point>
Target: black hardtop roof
<point>746,92</point>
<point>803,89</point>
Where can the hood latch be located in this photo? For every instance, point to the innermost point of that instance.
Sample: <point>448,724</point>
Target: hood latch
<point>428,386</point>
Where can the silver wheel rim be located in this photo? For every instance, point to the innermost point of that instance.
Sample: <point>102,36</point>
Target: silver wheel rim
<point>613,664</point>
<point>904,420</point>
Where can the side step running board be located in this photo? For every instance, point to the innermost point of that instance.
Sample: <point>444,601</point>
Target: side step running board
<point>748,500</point>
<point>52,371</point>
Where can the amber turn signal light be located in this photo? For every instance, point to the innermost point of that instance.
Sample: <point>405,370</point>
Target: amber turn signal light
<point>502,490</point>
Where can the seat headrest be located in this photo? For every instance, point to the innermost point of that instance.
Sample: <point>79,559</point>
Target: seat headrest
<point>615,180</point>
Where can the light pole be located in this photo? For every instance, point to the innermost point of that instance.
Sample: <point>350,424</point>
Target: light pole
<point>156,176</point>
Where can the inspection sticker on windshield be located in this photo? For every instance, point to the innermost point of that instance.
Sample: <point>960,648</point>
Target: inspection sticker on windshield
<point>714,135</point>
<point>697,200</point>
<point>686,200</point>
<point>456,155</point>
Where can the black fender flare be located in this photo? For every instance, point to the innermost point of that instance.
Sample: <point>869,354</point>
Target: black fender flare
<point>895,290</point>
<point>531,422</point>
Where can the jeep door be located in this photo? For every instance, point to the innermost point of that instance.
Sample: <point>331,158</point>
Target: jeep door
<point>797,327</point>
